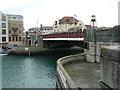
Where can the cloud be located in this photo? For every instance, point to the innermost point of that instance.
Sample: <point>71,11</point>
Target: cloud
<point>16,6</point>
<point>48,11</point>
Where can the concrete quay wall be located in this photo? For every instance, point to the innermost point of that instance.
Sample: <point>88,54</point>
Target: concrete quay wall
<point>63,79</point>
<point>97,39</point>
<point>93,54</point>
<point>26,50</point>
<point>110,67</point>
<point>41,51</point>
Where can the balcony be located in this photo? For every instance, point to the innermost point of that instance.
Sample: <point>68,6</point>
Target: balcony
<point>15,33</point>
<point>14,28</point>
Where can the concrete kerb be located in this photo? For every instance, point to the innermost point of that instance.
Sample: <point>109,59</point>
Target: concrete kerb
<point>61,68</point>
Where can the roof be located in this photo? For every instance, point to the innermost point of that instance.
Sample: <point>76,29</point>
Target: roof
<point>88,26</point>
<point>43,28</point>
<point>14,15</point>
<point>68,20</point>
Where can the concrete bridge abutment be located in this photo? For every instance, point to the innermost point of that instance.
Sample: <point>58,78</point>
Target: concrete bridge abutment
<point>98,39</point>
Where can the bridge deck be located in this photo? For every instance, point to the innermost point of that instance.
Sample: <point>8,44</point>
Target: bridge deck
<point>65,39</point>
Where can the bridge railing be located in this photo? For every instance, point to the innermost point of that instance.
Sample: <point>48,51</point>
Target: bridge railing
<point>65,35</point>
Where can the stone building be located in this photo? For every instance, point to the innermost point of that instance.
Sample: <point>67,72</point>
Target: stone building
<point>66,23</point>
<point>33,34</point>
<point>46,29</point>
<point>3,29</point>
<point>15,29</point>
<point>42,30</point>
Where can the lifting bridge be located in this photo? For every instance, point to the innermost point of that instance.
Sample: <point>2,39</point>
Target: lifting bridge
<point>64,40</point>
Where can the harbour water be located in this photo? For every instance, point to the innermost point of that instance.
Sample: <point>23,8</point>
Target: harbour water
<point>37,71</point>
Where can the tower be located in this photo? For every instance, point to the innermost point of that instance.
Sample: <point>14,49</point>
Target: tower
<point>93,22</point>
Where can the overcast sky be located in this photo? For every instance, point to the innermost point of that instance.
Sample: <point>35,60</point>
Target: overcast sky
<point>48,11</point>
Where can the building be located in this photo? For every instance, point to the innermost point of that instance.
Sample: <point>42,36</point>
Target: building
<point>46,29</point>
<point>3,29</point>
<point>15,29</point>
<point>33,34</point>
<point>66,23</point>
<point>41,31</point>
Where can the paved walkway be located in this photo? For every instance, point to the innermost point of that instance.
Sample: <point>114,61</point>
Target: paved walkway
<point>84,74</point>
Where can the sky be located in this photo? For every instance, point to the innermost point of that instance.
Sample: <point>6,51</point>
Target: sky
<point>45,12</point>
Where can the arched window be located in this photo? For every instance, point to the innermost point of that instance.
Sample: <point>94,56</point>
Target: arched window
<point>84,30</point>
<point>80,30</point>
<point>55,22</point>
<point>67,20</point>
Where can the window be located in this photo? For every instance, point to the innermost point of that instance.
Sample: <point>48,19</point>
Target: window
<point>19,32</point>
<point>15,26</point>
<point>19,18</point>
<point>80,30</point>
<point>14,18</point>
<point>9,24</point>
<point>3,39</point>
<point>3,31</point>
<point>20,25</point>
<point>16,38</point>
<point>3,18</point>
<point>13,39</point>
<point>55,22</point>
<point>14,32</point>
<point>67,20</point>
<point>9,18</point>
<point>19,38</point>
<point>3,25</point>
<point>9,38</point>
<point>84,30</point>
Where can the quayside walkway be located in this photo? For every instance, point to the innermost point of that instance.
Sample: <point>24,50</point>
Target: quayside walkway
<point>84,74</point>
<point>75,72</point>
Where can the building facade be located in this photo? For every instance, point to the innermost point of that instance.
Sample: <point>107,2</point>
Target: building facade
<point>66,23</point>
<point>41,31</point>
<point>33,34</point>
<point>46,29</point>
<point>15,29</point>
<point>3,29</point>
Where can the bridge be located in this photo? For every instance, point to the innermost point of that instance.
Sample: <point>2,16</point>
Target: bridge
<point>64,40</point>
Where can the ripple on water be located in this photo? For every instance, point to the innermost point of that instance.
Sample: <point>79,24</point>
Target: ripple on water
<point>28,72</point>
